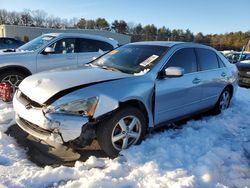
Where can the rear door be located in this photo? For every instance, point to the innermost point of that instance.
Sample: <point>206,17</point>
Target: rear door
<point>214,75</point>
<point>176,97</point>
<point>64,55</point>
<point>89,49</point>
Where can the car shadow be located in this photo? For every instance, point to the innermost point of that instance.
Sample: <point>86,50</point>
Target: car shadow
<point>42,154</point>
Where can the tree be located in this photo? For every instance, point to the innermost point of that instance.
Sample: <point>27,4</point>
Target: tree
<point>53,22</point>
<point>82,24</point>
<point>3,16</point>
<point>199,38</point>
<point>90,24</point>
<point>163,34</point>
<point>175,35</point>
<point>150,32</point>
<point>137,33</point>
<point>189,37</point>
<point>26,18</point>
<point>120,26</point>
<point>39,17</point>
<point>14,18</point>
<point>101,23</point>
<point>73,22</point>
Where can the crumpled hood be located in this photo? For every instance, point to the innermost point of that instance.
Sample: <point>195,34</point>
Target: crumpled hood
<point>42,86</point>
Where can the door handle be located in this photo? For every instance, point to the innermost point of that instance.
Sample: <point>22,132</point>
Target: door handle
<point>196,81</point>
<point>223,74</point>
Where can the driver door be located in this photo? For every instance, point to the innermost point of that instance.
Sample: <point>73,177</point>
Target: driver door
<point>178,96</point>
<point>63,55</point>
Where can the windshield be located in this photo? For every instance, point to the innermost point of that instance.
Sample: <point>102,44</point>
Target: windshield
<point>36,43</point>
<point>132,59</point>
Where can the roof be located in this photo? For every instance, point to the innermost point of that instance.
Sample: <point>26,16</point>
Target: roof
<point>81,35</point>
<point>172,43</point>
<point>159,43</point>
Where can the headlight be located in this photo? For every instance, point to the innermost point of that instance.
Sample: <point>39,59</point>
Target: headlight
<point>85,107</point>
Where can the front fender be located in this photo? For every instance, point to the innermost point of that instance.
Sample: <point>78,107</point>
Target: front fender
<point>105,105</point>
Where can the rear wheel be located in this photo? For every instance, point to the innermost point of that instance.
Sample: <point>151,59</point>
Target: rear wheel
<point>224,101</point>
<point>125,128</point>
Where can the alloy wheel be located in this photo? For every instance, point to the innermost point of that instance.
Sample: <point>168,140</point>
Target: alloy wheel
<point>126,132</point>
<point>224,100</point>
<point>13,80</point>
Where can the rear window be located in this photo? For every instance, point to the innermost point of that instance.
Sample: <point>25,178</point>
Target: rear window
<point>207,59</point>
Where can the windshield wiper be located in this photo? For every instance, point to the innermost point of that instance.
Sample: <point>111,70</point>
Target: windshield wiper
<point>110,68</point>
<point>91,65</point>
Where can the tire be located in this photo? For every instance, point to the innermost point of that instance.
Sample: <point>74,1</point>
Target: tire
<point>115,134</point>
<point>12,77</point>
<point>224,101</point>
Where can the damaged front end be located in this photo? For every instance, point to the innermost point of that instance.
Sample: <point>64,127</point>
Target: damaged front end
<point>63,124</point>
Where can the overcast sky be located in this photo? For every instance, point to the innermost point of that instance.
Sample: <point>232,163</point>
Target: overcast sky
<point>207,16</point>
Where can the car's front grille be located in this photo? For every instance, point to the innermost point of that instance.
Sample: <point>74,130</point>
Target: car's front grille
<point>26,100</point>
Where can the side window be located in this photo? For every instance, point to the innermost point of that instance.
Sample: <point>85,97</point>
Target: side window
<point>184,58</point>
<point>89,45</point>
<point>64,46</point>
<point>104,46</point>
<point>207,59</point>
<point>221,64</point>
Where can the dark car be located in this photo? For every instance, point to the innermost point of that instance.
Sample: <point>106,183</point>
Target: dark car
<point>244,74</point>
<point>10,43</point>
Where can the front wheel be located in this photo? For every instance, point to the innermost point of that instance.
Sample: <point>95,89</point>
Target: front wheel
<point>125,128</point>
<point>13,78</point>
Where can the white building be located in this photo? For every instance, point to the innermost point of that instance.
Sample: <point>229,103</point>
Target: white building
<point>21,32</point>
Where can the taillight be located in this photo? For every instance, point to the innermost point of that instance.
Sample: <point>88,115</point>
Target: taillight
<point>6,92</point>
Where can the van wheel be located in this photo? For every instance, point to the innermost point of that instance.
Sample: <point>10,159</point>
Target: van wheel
<point>224,101</point>
<point>125,128</point>
<point>14,78</point>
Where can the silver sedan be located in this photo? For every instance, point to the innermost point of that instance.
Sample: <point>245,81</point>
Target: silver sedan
<point>121,95</point>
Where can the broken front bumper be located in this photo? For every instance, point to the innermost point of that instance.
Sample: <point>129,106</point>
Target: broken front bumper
<point>56,127</point>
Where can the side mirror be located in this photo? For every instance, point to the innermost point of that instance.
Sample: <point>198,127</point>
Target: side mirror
<point>173,72</point>
<point>48,50</point>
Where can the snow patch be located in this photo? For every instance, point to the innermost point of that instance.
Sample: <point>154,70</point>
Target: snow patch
<point>142,72</point>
